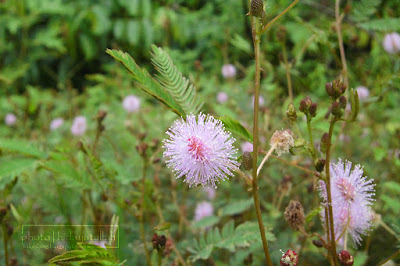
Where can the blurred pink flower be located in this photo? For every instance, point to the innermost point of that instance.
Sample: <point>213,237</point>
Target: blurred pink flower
<point>10,119</point>
<point>222,97</point>
<point>201,150</point>
<point>260,101</point>
<point>247,147</point>
<point>203,209</point>
<point>391,43</point>
<point>131,104</point>
<point>351,200</point>
<point>100,243</point>
<point>228,71</point>
<point>210,192</point>
<point>78,126</point>
<point>363,92</point>
<point>56,123</point>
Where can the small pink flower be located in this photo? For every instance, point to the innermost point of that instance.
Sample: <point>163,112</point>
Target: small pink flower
<point>131,104</point>
<point>351,200</point>
<point>391,43</point>
<point>247,147</point>
<point>100,243</point>
<point>201,150</point>
<point>222,97</point>
<point>10,119</point>
<point>56,123</point>
<point>210,192</point>
<point>78,126</point>
<point>362,92</point>
<point>203,209</point>
<point>228,71</point>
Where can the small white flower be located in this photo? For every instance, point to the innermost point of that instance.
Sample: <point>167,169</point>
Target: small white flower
<point>391,43</point>
<point>131,104</point>
<point>56,123</point>
<point>78,126</point>
<point>247,147</point>
<point>222,97</point>
<point>10,119</point>
<point>228,71</point>
<point>282,141</point>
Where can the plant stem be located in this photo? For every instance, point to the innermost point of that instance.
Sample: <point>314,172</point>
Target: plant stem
<point>5,241</point>
<point>311,138</point>
<point>256,41</point>
<point>269,24</point>
<point>159,258</point>
<point>265,158</point>
<point>340,39</point>
<point>329,196</point>
<point>391,257</point>
<point>142,232</point>
<point>287,68</point>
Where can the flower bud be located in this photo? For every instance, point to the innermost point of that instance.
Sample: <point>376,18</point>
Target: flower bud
<point>159,242</point>
<point>329,89</point>
<point>336,110</point>
<point>3,212</point>
<point>342,102</point>
<point>257,7</point>
<point>308,102</point>
<point>289,258</point>
<point>324,142</point>
<point>313,109</point>
<point>319,165</point>
<point>318,243</point>
<point>345,258</point>
<point>247,160</point>
<point>294,215</point>
<point>291,113</point>
<point>303,106</point>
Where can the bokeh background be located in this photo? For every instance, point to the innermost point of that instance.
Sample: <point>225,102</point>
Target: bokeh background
<point>53,65</point>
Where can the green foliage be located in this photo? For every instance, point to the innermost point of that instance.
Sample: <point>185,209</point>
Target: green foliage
<point>236,128</point>
<point>384,25</point>
<point>22,147</point>
<point>236,207</point>
<point>363,9</point>
<point>88,253</point>
<point>16,166</point>
<point>146,82</point>
<point>183,91</point>
<point>228,237</point>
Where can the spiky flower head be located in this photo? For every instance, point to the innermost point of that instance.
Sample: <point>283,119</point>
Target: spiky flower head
<point>282,140</point>
<point>201,150</point>
<point>78,126</point>
<point>289,258</point>
<point>351,200</point>
<point>203,209</point>
<point>131,103</point>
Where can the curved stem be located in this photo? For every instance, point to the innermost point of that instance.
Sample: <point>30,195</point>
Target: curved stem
<point>265,158</point>
<point>391,257</point>
<point>256,40</point>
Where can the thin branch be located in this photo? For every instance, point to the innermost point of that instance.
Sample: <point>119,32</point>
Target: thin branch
<point>269,24</point>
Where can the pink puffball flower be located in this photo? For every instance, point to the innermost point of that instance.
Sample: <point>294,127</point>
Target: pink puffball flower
<point>56,123</point>
<point>222,97</point>
<point>131,104</point>
<point>203,209</point>
<point>391,43</point>
<point>351,200</point>
<point>10,119</point>
<point>201,150</point>
<point>78,126</point>
<point>247,147</point>
<point>228,71</point>
<point>363,92</point>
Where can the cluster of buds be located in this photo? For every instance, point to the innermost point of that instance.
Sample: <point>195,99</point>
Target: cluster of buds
<point>335,90</point>
<point>159,242</point>
<point>308,108</point>
<point>291,113</point>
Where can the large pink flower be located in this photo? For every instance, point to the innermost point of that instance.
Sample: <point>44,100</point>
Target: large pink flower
<point>351,200</point>
<point>201,150</point>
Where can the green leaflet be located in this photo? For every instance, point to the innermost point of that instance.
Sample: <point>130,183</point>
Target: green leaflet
<point>384,24</point>
<point>228,238</point>
<point>15,166</point>
<point>146,82</point>
<point>183,91</point>
<point>22,147</point>
<point>236,128</point>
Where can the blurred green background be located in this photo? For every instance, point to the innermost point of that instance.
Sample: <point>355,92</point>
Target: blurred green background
<point>53,64</point>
